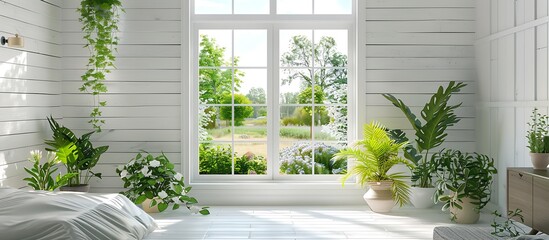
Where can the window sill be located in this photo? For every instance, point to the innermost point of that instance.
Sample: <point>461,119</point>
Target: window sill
<point>275,185</point>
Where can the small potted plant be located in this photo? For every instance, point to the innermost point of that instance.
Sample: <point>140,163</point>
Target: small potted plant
<point>41,174</point>
<point>464,183</point>
<point>77,154</point>
<point>437,115</point>
<point>373,157</point>
<point>538,140</point>
<point>153,182</point>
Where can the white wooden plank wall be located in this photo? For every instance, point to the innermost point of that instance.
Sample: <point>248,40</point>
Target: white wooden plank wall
<point>29,82</point>
<point>414,46</point>
<point>144,91</point>
<point>513,62</point>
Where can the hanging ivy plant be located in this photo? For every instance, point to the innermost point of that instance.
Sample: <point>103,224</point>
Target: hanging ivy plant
<point>100,25</point>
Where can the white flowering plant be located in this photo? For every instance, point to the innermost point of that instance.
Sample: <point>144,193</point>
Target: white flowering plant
<point>150,177</point>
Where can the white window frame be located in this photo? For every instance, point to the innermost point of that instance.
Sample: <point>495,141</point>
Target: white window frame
<point>273,23</point>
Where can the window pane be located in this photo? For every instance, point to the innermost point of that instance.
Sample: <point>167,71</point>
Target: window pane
<point>331,48</point>
<point>251,6</point>
<point>333,6</point>
<point>215,48</point>
<point>295,123</point>
<point>296,48</point>
<point>296,158</point>
<point>295,86</point>
<point>214,85</point>
<point>333,84</point>
<point>331,123</point>
<point>250,48</point>
<point>252,84</point>
<point>213,6</point>
<point>294,6</point>
<point>250,158</point>
<point>216,122</point>
<point>324,159</point>
<point>215,158</point>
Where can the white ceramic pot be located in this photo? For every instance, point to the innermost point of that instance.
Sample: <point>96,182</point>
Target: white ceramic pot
<point>468,214</point>
<point>422,197</point>
<point>380,197</point>
<point>540,160</point>
<point>146,206</point>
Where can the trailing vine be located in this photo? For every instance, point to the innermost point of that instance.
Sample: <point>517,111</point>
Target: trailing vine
<point>100,24</point>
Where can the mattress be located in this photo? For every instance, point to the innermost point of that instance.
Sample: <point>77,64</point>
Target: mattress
<point>70,215</point>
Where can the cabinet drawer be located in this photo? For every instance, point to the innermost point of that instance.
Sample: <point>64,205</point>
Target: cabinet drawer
<point>519,195</point>
<point>541,203</point>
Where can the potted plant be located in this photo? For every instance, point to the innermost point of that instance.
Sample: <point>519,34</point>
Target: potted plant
<point>99,24</point>
<point>468,179</point>
<point>374,156</point>
<point>77,154</point>
<point>437,115</point>
<point>41,174</point>
<point>538,140</point>
<point>153,182</point>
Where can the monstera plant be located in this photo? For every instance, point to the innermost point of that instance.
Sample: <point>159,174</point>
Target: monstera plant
<point>437,115</point>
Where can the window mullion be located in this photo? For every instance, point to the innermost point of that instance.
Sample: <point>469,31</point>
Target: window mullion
<point>274,65</point>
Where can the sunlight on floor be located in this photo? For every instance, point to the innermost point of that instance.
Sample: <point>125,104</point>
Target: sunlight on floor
<point>302,223</point>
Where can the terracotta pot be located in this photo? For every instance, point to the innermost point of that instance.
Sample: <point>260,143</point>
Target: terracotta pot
<point>540,160</point>
<point>380,197</point>
<point>468,214</point>
<point>76,188</point>
<point>146,206</point>
<point>422,197</point>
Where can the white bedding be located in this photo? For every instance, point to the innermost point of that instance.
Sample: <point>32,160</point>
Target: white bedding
<point>68,215</point>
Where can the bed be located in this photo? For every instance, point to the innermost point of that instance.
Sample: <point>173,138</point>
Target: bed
<point>69,215</point>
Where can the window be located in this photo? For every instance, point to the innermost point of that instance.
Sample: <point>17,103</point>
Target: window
<point>273,79</point>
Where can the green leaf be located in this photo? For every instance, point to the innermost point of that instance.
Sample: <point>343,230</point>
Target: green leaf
<point>162,206</point>
<point>175,206</point>
<point>204,211</point>
<point>140,199</point>
<point>149,194</point>
<point>178,189</point>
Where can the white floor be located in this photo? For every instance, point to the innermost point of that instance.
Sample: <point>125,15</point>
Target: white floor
<point>302,223</point>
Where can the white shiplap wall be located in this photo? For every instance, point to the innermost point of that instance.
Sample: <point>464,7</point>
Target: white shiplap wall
<point>512,57</point>
<point>144,95</point>
<point>414,46</point>
<point>29,82</point>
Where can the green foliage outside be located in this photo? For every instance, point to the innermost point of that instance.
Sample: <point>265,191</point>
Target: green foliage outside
<point>219,159</point>
<point>216,87</point>
<point>298,159</point>
<point>240,112</point>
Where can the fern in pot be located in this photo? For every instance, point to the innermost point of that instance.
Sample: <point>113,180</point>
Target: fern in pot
<point>464,183</point>
<point>437,115</point>
<point>373,157</point>
<point>153,182</point>
<point>538,140</point>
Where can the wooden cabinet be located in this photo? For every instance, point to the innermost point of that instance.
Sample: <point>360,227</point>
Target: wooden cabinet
<point>528,190</point>
<point>519,194</point>
<point>541,205</point>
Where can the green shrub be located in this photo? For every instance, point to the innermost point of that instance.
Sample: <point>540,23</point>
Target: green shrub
<point>217,160</point>
<point>249,163</point>
<point>240,112</point>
